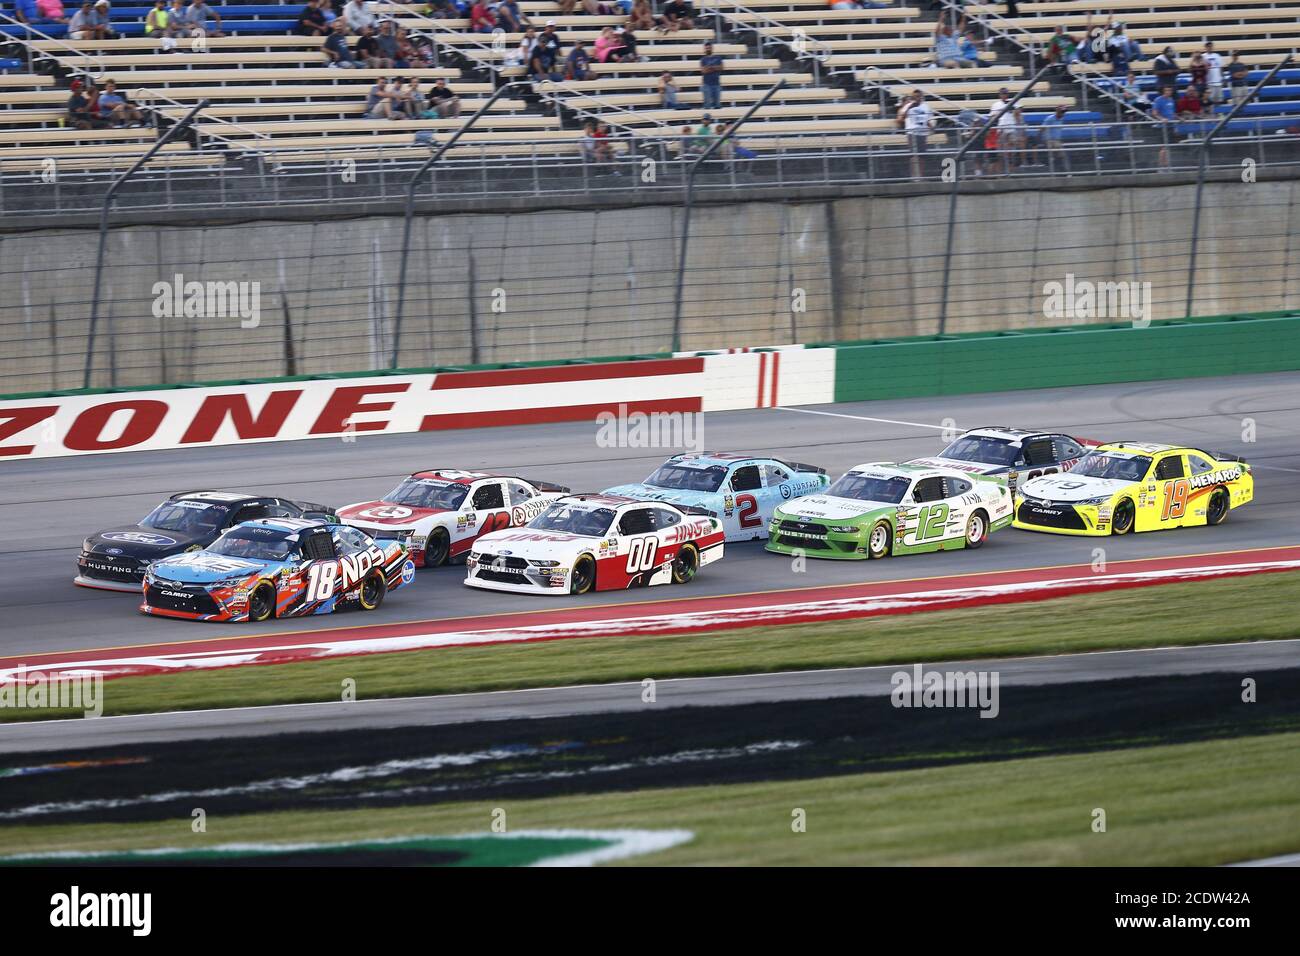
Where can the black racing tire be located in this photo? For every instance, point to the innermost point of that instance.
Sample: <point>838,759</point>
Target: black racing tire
<point>686,564</point>
<point>583,578</point>
<point>373,590</point>
<point>880,541</point>
<point>261,603</point>
<point>1124,517</point>
<point>437,549</point>
<point>1216,510</point>
<point>977,528</point>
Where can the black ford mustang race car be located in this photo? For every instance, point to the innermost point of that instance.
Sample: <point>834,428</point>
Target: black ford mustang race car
<point>115,559</point>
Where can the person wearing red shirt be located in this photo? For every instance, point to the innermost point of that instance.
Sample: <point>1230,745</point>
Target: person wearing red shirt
<point>481,19</point>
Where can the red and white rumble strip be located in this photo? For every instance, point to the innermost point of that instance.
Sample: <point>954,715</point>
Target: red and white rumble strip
<point>805,605</point>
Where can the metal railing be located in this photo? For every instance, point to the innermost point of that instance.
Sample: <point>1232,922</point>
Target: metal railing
<point>803,46</point>
<point>35,55</point>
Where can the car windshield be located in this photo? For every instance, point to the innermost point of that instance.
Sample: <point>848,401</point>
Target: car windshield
<point>590,522</point>
<point>1100,464</point>
<point>981,449</point>
<point>428,493</point>
<point>855,484</point>
<point>189,517</point>
<point>681,478</point>
<point>260,544</point>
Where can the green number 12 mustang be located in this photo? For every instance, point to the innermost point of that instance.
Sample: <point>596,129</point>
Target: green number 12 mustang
<point>879,509</point>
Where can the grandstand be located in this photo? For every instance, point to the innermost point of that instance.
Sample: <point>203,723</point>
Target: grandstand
<point>276,106</point>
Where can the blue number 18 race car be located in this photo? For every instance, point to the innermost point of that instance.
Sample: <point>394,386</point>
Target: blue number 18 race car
<point>741,491</point>
<point>279,567</point>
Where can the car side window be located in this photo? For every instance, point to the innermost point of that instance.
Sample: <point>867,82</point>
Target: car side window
<point>775,475</point>
<point>663,518</point>
<point>1067,448</point>
<point>488,496</point>
<point>1199,465</point>
<point>1039,451</point>
<point>746,478</point>
<point>956,486</point>
<point>636,521</point>
<point>1170,467</point>
<point>928,489</point>
<point>519,492</point>
<point>350,541</point>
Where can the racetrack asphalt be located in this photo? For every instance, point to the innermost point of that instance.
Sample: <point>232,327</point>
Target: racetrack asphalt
<point>1248,659</point>
<point>48,505</point>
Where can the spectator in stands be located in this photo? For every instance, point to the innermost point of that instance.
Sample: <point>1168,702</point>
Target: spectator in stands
<point>740,152</point>
<point>366,52</point>
<point>115,107</point>
<point>668,92</point>
<point>1054,139</point>
<point>442,10</point>
<point>578,63</point>
<point>711,67</point>
<point>387,41</point>
<point>80,114</point>
<point>685,143</point>
<point>176,19</point>
<point>1166,69</point>
<point>155,21</point>
<point>970,47</point>
<point>630,54</point>
<point>608,46</point>
<point>602,146</point>
<point>1214,74</point>
<point>917,118</point>
<point>82,26</point>
<point>524,51</point>
<point>336,49</point>
<point>1164,109</point>
<point>704,133</point>
<point>481,18</point>
<point>408,101</point>
<point>25,11</point>
<point>550,40</point>
<point>1238,76</point>
<point>642,16</point>
<point>445,103</point>
<point>510,17</point>
<point>1002,102</point>
<point>947,51</point>
<point>1118,50</point>
<point>1093,48</point>
<point>201,19</point>
<point>311,22</point>
<point>1062,49</point>
<point>407,53</point>
<point>356,14</point>
<point>1012,138</point>
<point>677,15</point>
<point>379,101</point>
<point>541,63</point>
<point>1199,71</point>
<point>1190,106</point>
<point>51,11</point>
<point>326,8</point>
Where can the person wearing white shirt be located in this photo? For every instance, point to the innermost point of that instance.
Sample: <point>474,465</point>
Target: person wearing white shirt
<point>917,117</point>
<point>1214,74</point>
<point>356,14</point>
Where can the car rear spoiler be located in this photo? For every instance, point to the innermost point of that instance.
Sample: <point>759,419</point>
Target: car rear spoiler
<point>695,510</point>
<point>312,510</point>
<point>802,466</point>
<point>549,486</point>
<point>1224,456</point>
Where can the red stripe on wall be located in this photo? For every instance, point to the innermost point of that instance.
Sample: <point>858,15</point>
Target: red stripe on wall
<point>762,374</point>
<point>561,413</point>
<point>568,373</point>
<point>776,373</point>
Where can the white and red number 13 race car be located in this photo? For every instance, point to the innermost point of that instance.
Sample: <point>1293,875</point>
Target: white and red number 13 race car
<point>587,543</point>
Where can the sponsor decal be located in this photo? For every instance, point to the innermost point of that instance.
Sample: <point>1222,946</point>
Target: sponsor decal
<point>387,513</point>
<point>786,491</point>
<point>139,537</point>
<point>1215,477</point>
<point>408,572</point>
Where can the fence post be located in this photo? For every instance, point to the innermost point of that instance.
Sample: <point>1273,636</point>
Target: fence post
<point>1202,157</point>
<point>689,202</point>
<point>410,209</point>
<point>109,196</point>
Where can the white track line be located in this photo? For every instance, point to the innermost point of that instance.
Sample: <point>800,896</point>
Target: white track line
<point>1292,859</point>
<point>865,418</point>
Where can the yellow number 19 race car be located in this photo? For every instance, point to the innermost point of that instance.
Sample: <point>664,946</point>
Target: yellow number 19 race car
<point>1135,486</point>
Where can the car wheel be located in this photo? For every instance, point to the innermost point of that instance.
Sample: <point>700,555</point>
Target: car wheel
<point>977,529</point>
<point>583,577</point>
<point>437,548</point>
<point>686,564</point>
<point>1217,509</point>
<point>1122,520</point>
<point>879,540</point>
<point>261,603</point>
<point>373,590</point>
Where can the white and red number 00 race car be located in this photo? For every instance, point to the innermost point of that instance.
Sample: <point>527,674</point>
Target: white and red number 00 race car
<point>596,543</point>
<point>439,514</point>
